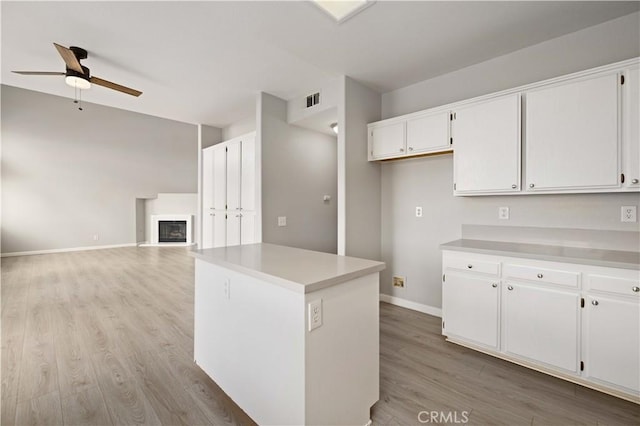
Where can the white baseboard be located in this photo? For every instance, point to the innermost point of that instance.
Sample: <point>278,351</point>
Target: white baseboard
<point>166,244</point>
<point>426,309</point>
<point>29,253</point>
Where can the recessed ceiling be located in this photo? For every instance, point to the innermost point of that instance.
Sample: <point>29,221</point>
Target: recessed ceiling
<point>203,62</point>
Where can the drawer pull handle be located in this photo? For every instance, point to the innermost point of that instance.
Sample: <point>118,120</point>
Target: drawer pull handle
<point>540,275</point>
<point>469,266</point>
<point>594,303</point>
<point>635,288</point>
<point>510,287</point>
<point>531,185</point>
<point>514,186</point>
<point>494,285</point>
<point>634,180</point>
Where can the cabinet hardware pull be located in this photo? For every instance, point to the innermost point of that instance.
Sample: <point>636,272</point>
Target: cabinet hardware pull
<point>410,148</point>
<point>594,302</point>
<point>469,266</point>
<point>531,185</point>
<point>212,214</point>
<point>510,287</point>
<point>514,186</point>
<point>635,289</point>
<point>494,285</point>
<point>540,275</point>
<point>401,149</point>
<point>635,180</point>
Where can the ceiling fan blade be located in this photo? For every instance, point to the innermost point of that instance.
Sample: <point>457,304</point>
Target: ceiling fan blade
<point>38,72</point>
<point>114,86</point>
<point>69,58</point>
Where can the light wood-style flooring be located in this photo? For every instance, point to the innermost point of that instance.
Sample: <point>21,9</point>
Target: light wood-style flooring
<point>106,337</point>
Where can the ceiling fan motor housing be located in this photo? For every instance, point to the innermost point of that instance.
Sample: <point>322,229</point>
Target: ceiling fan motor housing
<point>86,75</point>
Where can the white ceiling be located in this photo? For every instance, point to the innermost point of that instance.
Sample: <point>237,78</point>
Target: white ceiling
<point>203,62</point>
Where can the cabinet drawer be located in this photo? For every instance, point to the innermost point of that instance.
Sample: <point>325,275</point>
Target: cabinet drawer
<point>473,265</point>
<point>615,285</point>
<point>542,275</point>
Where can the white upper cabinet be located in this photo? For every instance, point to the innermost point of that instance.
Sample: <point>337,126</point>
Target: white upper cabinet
<point>486,144</point>
<point>428,133</point>
<point>219,177</point>
<point>631,128</point>
<point>234,175</point>
<point>572,139</point>
<point>387,140</point>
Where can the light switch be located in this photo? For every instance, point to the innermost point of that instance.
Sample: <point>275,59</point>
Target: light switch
<point>282,221</point>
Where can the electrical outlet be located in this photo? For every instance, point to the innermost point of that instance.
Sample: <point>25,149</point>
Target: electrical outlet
<point>628,214</point>
<point>503,213</point>
<point>418,211</point>
<point>282,221</point>
<point>227,288</point>
<point>398,281</point>
<point>315,314</point>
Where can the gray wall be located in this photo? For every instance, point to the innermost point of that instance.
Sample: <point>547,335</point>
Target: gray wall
<point>240,128</point>
<point>68,175</point>
<point>410,244</point>
<point>299,167</point>
<point>358,179</point>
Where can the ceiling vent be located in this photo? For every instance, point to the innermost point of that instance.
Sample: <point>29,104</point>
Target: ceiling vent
<point>313,100</point>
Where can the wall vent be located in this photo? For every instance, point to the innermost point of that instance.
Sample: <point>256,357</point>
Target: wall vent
<point>313,100</point>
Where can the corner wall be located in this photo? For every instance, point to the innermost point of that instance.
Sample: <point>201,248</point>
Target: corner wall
<point>298,169</point>
<point>69,175</point>
<point>410,245</point>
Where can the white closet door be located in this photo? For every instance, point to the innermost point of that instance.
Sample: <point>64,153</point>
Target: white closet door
<point>234,162</point>
<point>219,177</point>
<point>248,175</point>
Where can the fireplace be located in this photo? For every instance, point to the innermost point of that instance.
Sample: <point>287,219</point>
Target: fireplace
<point>172,231</point>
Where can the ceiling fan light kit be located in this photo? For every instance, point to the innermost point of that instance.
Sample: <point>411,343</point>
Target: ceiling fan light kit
<point>77,75</point>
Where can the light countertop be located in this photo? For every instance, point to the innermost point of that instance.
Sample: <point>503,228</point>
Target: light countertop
<point>299,270</point>
<point>586,256</point>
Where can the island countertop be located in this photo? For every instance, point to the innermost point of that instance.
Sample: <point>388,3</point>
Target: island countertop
<point>587,256</point>
<point>299,270</point>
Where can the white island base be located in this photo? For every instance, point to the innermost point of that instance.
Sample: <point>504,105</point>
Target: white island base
<point>252,315</point>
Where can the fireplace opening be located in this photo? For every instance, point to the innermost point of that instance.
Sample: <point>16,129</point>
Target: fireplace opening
<point>172,231</point>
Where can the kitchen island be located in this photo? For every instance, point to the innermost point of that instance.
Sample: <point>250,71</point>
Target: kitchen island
<point>291,335</point>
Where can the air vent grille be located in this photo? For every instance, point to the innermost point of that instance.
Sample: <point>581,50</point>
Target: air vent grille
<point>313,100</point>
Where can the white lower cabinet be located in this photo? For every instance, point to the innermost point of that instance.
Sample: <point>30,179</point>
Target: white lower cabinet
<point>541,324</point>
<point>577,322</point>
<point>477,294</point>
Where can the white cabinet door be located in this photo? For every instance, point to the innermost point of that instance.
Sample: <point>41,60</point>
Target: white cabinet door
<point>572,135</point>
<point>207,197</point>
<point>612,341</point>
<point>219,178</point>
<point>234,166</point>
<point>219,223</point>
<point>387,140</point>
<point>486,146</point>
<point>428,133</point>
<point>247,228</point>
<point>540,324</point>
<point>233,228</point>
<point>248,175</point>
<point>631,128</point>
<point>470,308</point>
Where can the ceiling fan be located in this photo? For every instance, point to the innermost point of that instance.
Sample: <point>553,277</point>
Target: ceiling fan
<point>77,75</point>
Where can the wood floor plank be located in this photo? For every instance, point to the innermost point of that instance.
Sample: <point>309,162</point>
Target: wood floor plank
<point>44,410</point>
<point>125,400</point>
<point>85,407</point>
